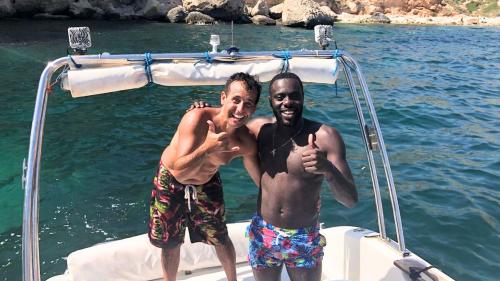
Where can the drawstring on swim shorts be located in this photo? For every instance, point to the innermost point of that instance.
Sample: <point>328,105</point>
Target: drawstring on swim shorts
<point>190,191</point>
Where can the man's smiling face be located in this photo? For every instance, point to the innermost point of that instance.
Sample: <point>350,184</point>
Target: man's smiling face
<point>239,103</point>
<point>287,100</point>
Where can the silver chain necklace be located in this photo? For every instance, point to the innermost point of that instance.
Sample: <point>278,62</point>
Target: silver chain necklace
<point>273,151</point>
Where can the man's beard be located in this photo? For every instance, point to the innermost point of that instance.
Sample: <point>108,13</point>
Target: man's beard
<point>288,122</point>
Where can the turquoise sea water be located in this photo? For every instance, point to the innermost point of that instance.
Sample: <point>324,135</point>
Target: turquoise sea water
<point>436,91</point>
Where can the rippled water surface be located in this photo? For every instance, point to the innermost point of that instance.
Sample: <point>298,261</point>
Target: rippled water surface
<point>436,91</point>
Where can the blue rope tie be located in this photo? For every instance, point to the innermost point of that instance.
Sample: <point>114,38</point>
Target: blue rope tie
<point>336,67</point>
<point>148,60</point>
<point>337,54</point>
<point>285,56</point>
<point>77,65</point>
<point>208,59</point>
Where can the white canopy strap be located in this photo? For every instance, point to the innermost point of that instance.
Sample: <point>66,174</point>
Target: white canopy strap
<point>87,81</point>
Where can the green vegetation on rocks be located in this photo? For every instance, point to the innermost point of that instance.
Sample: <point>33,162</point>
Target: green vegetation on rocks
<point>472,6</point>
<point>487,8</point>
<point>491,9</point>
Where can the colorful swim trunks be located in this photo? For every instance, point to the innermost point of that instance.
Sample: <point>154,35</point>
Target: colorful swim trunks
<point>272,246</point>
<point>175,206</point>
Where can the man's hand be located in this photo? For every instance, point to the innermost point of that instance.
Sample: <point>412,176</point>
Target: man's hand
<point>198,104</point>
<point>313,159</point>
<point>217,142</point>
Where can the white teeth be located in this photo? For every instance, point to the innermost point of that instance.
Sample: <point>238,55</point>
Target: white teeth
<point>238,116</point>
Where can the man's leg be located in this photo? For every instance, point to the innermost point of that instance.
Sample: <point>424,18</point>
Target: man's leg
<point>227,257</point>
<point>267,274</point>
<point>305,274</point>
<point>170,262</point>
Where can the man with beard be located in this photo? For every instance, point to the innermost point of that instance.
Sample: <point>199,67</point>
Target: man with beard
<point>188,189</point>
<point>296,155</point>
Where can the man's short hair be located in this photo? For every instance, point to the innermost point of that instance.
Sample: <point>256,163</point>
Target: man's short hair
<point>251,82</point>
<point>286,75</point>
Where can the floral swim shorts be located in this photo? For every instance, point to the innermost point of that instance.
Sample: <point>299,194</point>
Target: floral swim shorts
<point>175,206</point>
<point>272,246</point>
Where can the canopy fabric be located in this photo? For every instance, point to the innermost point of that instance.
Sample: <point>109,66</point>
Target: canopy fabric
<point>87,81</point>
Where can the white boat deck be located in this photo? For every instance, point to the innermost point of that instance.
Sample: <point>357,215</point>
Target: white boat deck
<point>350,254</point>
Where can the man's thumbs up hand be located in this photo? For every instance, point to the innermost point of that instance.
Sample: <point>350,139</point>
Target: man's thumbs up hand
<point>313,159</point>
<point>311,140</point>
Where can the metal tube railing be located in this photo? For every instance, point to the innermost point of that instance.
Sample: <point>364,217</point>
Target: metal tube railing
<point>383,152</point>
<point>371,161</point>
<point>30,249</point>
<point>220,55</point>
<point>128,59</point>
<point>30,244</point>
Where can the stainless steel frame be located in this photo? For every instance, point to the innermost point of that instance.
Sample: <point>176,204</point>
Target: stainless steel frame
<point>30,244</point>
<point>30,251</point>
<point>369,152</point>
<point>351,65</point>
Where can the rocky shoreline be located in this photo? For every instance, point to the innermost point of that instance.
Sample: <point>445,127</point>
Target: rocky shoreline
<point>461,20</point>
<point>294,13</point>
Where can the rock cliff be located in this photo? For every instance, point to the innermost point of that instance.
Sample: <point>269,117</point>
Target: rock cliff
<point>305,13</point>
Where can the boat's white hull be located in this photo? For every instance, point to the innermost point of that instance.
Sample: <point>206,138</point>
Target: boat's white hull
<point>351,254</point>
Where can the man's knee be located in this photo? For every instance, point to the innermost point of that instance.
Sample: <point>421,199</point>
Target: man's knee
<point>267,273</point>
<point>224,241</point>
<point>226,246</point>
<point>305,274</point>
<point>171,251</point>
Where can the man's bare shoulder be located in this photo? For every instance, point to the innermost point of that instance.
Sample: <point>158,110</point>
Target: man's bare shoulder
<point>327,137</point>
<point>328,131</point>
<point>197,117</point>
<point>248,140</point>
<point>255,124</point>
<point>244,132</point>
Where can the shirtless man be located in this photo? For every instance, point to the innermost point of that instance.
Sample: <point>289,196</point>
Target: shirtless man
<point>296,155</point>
<point>188,189</point>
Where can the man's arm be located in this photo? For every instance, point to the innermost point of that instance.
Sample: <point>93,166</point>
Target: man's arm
<point>251,163</point>
<point>255,124</point>
<point>327,156</point>
<point>251,159</point>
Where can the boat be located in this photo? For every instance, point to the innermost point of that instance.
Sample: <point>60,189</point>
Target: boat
<point>352,253</point>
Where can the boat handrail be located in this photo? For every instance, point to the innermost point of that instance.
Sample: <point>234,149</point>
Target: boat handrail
<point>30,244</point>
<point>346,59</point>
<point>30,250</point>
<point>368,149</point>
<point>221,55</point>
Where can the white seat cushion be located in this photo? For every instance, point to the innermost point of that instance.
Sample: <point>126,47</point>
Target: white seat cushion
<point>136,259</point>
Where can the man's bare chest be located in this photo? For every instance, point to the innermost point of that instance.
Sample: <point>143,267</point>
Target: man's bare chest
<point>286,159</point>
<point>221,158</point>
<point>227,154</point>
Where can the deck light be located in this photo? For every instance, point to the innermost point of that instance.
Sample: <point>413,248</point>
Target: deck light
<point>323,35</point>
<point>79,39</point>
<point>214,41</point>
